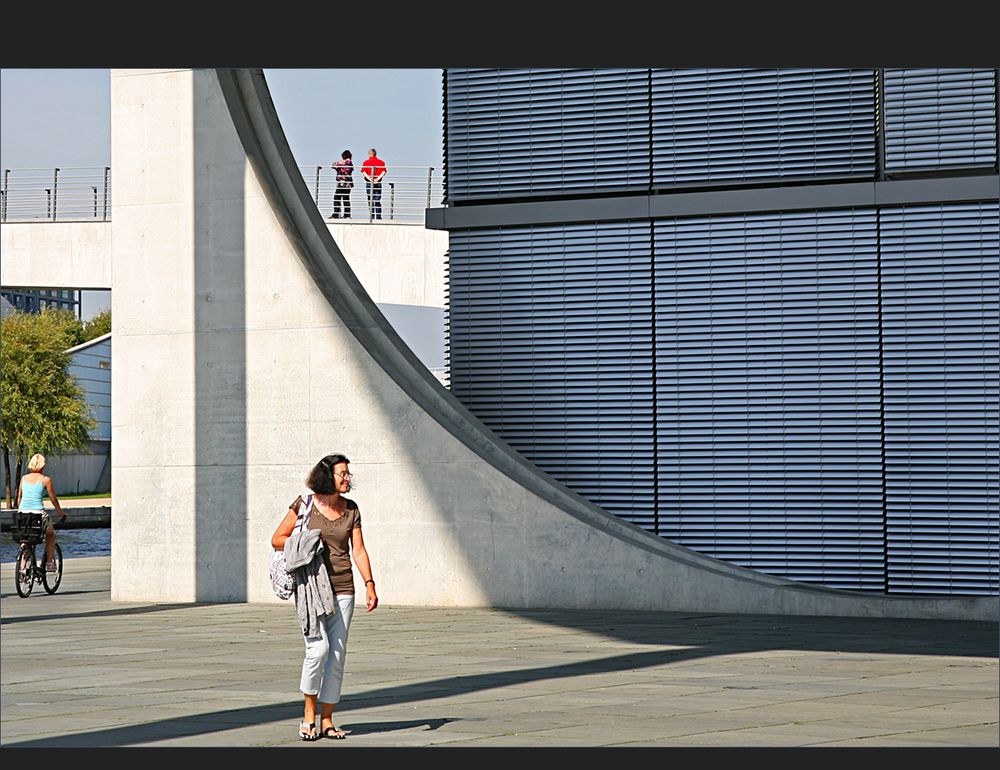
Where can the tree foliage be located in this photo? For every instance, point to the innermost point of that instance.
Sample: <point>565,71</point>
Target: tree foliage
<point>97,326</point>
<point>43,408</point>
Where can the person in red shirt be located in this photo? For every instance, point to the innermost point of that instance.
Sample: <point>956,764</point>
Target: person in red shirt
<point>373,169</point>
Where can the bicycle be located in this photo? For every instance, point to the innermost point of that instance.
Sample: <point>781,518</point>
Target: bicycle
<point>28,529</point>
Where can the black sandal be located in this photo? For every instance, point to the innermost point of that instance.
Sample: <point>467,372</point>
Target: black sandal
<point>337,733</point>
<point>308,736</point>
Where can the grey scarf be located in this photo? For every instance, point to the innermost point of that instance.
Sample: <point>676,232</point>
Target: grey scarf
<point>313,592</point>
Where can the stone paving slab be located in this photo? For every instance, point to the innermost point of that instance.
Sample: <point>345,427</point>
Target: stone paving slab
<point>226,675</point>
<point>983,736</point>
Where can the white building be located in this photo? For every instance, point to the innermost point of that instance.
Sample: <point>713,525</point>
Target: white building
<point>89,471</point>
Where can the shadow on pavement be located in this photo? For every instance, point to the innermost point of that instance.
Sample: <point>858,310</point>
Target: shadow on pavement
<point>144,609</point>
<point>40,595</point>
<point>371,728</point>
<point>219,721</point>
<point>670,637</point>
<point>725,634</point>
<point>694,636</point>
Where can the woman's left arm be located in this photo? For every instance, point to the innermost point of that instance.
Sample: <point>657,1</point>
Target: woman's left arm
<point>364,567</point>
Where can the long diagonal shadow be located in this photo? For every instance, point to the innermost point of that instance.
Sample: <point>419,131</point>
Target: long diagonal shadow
<point>218,721</point>
<point>78,592</point>
<point>725,633</point>
<point>139,610</point>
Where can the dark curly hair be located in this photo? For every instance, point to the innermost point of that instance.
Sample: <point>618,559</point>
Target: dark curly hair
<point>320,478</point>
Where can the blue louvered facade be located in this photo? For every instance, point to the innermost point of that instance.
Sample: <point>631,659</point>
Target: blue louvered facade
<point>534,132</point>
<point>721,126</point>
<point>767,390</point>
<point>811,392</point>
<point>940,288</point>
<point>551,344</point>
<point>940,119</point>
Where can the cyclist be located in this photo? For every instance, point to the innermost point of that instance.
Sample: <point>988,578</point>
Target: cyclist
<point>29,500</point>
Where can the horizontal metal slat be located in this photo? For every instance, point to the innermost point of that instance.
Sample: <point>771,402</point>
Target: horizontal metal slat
<point>938,118</point>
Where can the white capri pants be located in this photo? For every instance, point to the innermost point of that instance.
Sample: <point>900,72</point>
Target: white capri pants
<point>323,666</point>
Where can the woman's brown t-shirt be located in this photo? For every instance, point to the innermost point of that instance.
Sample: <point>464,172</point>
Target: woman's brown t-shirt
<point>336,534</point>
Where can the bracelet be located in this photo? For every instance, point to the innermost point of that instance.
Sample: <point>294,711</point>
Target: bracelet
<point>369,581</point>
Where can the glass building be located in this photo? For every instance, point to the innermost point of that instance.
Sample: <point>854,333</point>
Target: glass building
<point>753,311</point>
<point>35,300</point>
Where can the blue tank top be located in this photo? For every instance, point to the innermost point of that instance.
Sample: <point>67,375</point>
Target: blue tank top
<point>31,495</point>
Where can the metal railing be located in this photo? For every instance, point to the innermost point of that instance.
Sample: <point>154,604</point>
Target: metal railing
<point>74,194</point>
<point>83,193</point>
<point>404,194</point>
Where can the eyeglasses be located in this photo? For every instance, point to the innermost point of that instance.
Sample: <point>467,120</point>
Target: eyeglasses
<point>344,476</point>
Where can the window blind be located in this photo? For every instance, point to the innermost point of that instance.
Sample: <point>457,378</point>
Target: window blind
<point>940,298</point>
<point>735,125</point>
<point>550,345</point>
<point>767,391</point>
<point>940,118</point>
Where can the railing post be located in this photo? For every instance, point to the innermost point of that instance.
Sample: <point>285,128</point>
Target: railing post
<point>430,176</point>
<point>6,173</point>
<point>318,169</point>
<point>106,170</point>
<point>94,188</point>
<point>48,203</point>
<point>392,197</point>
<point>55,192</point>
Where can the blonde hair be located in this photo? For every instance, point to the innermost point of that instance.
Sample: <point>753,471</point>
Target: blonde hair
<point>36,463</point>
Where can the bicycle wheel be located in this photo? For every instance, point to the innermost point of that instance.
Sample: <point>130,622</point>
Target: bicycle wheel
<point>51,580</point>
<point>24,570</point>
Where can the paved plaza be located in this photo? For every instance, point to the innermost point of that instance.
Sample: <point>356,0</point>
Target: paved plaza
<point>79,670</point>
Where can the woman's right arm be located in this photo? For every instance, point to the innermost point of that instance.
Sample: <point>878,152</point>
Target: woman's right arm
<point>284,530</point>
<point>17,497</point>
<point>52,496</point>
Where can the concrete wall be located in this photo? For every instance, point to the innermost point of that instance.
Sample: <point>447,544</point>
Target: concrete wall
<point>56,255</point>
<point>81,471</point>
<point>246,348</point>
<point>399,264</point>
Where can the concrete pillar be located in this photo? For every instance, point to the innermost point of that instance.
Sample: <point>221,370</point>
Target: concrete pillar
<point>179,373</point>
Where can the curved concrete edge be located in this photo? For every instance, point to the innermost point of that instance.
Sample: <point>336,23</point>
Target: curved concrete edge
<point>710,584</point>
<point>258,126</point>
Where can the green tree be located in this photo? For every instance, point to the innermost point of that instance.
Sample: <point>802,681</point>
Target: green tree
<point>99,325</point>
<point>42,406</point>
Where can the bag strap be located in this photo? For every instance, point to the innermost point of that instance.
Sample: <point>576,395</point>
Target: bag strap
<point>303,513</point>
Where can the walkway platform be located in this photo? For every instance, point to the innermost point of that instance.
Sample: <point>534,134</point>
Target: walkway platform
<point>79,670</point>
<point>80,514</point>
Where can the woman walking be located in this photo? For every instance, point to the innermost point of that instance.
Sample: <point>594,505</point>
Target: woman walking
<point>319,535</point>
<point>30,490</point>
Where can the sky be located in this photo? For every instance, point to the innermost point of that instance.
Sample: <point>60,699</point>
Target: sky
<point>62,118</point>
